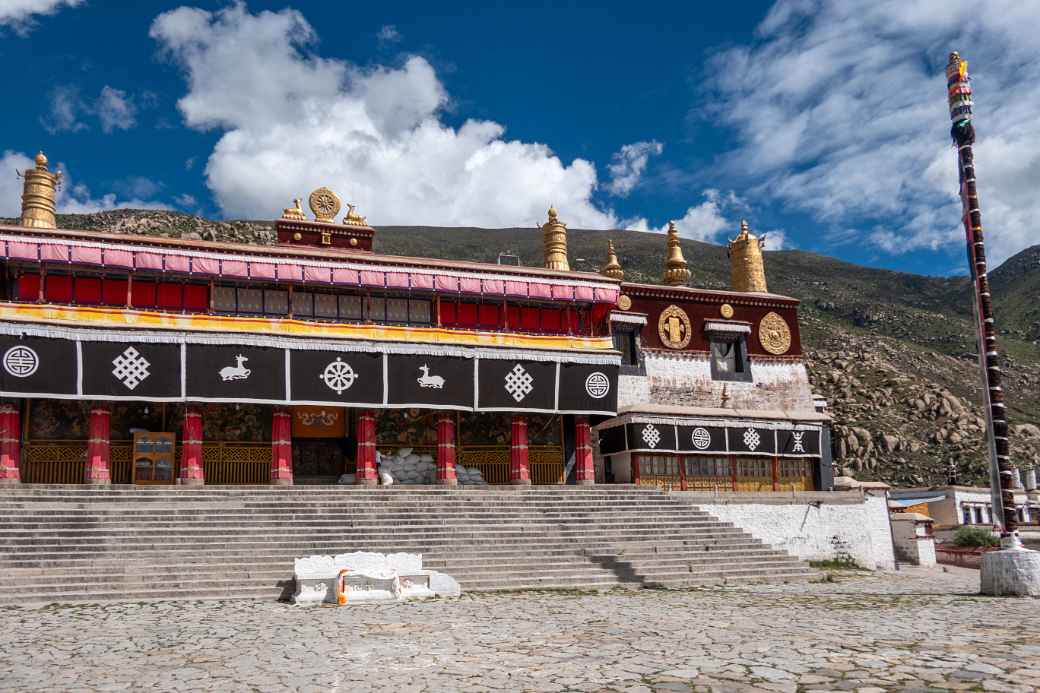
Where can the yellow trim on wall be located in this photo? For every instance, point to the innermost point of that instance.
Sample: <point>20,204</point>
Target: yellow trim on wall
<point>82,316</point>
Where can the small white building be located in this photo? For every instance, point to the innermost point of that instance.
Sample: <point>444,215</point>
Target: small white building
<point>953,506</point>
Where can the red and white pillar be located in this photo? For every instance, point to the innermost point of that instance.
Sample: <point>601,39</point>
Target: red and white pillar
<point>281,448</point>
<point>98,470</point>
<point>584,469</point>
<point>10,444</point>
<point>192,473</point>
<point>519,472</point>
<point>365,471</point>
<point>446,451</point>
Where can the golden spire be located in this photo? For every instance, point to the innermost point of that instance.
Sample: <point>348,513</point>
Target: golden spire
<point>613,268</point>
<point>676,271</point>
<point>747,270</point>
<point>38,195</point>
<point>554,238</point>
<point>294,213</point>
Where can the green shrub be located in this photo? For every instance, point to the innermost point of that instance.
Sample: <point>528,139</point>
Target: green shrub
<point>975,536</point>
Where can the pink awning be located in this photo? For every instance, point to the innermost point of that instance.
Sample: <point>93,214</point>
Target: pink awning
<point>119,258</point>
<point>516,288</point>
<point>54,252</point>
<point>345,276</point>
<point>583,293</point>
<point>369,278</point>
<point>446,283</point>
<point>397,280</point>
<point>205,265</point>
<point>422,281</point>
<point>291,273</point>
<point>539,290</point>
<point>178,263</point>
<point>232,268</point>
<point>86,255</point>
<point>317,274</point>
<point>469,285</point>
<point>563,292</point>
<point>262,270</point>
<point>153,261</point>
<point>494,287</point>
<point>23,251</point>
<point>607,295</point>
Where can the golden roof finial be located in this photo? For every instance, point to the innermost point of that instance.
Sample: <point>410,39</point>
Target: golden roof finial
<point>294,213</point>
<point>352,218</point>
<point>554,239</point>
<point>613,268</point>
<point>38,195</point>
<point>676,271</point>
<point>324,204</point>
<point>747,270</point>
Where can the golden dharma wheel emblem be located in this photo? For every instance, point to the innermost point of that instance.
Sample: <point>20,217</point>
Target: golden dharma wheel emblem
<point>624,302</point>
<point>324,204</point>
<point>726,311</point>
<point>674,328</point>
<point>774,334</point>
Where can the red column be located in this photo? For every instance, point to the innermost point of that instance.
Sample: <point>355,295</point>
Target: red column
<point>635,467</point>
<point>281,448</point>
<point>446,451</point>
<point>584,469</point>
<point>519,473</point>
<point>98,471</point>
<point>192,473</point>
<point>365,473</point>
<point>10,444</point>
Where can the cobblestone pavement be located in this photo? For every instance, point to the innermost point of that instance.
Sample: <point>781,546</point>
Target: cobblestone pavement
<point>915,630</point>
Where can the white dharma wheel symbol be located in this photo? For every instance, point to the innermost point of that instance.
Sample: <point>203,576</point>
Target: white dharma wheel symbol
<point>339,376</point>
<point>701,438</point>
<point>21,361</point>
<point>597,385</point>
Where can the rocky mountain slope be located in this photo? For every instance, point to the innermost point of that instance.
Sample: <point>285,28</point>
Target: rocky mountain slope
<point>893,353</point>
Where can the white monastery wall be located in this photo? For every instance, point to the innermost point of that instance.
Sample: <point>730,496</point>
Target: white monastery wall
<point>831,530</point>
<point>685,379</point>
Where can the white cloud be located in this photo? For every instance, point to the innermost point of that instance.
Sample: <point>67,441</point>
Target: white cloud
<point>841,111</point>
<point>72,198</point>
<point>20,14</point>
<point>186,201</point>
<point>388,33</point>
<point>628,164</point>
<point>65,110</point>
<point>115,110</point>
<point>294,121</point>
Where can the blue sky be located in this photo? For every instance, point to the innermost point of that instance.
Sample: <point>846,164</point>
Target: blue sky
<point>823,123</point>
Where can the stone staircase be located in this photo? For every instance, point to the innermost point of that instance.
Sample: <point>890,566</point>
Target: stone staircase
<point>82,543</point>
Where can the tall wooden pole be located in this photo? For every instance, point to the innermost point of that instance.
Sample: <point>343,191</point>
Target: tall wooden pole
<point>963,133</point>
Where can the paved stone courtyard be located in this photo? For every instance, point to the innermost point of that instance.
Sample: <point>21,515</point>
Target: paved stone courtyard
<point>915,630</point>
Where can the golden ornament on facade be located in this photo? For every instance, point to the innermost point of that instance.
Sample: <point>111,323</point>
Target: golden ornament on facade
<point>674,328</point>
<point>324,204</point>
<point>774,334</point>
<point>352,218</point>
<point>726,311</point>
<point>294,213</point>
<point>624,302</point>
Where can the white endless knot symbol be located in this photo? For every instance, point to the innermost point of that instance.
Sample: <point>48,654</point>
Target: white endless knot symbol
<point>131,368</point>
<point>518,383</point>
<point>797,436</point>
<point>21,361</point>
<point>597,385</point>
<point>752,439</point>
<point>651,436</point>
<point>701,438</point>
<point>339,376</point>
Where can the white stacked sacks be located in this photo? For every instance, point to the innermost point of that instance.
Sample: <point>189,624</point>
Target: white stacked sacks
<point>409,468</point>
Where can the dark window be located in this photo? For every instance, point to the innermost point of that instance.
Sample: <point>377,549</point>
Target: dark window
<point>966,515</point>
<point>729,359</point>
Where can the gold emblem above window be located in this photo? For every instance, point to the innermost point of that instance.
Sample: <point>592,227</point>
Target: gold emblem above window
<point>674,328</point>
<point>774,334</point>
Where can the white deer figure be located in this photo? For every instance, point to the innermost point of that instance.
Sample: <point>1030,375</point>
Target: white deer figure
<point>427,380</point>
<point>236,372</point>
